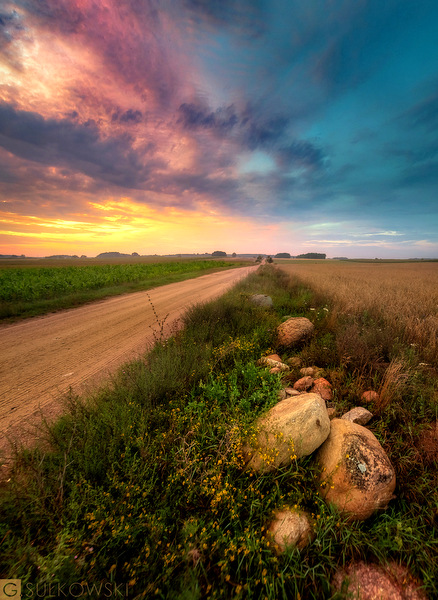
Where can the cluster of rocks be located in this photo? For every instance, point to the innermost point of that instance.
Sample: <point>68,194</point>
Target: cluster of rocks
<point>356,474</point>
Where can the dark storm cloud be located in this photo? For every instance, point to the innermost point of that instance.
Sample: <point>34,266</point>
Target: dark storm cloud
<point>247,17</point>
<point>10,28</point>
<point>263,132</point>
<point>80,147</point>
<point>194,116</point>
<point>128,116</point>
<point>301,152</point>
<point>252,131</point>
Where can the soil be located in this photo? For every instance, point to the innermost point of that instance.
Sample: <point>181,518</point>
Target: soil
<point>43,358</point>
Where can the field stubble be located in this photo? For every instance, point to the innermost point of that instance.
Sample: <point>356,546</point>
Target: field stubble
<point>402,295</point>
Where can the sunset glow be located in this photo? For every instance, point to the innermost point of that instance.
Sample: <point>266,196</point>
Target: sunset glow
<point>187,126</point>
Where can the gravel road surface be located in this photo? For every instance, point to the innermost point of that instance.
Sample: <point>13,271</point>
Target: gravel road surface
<point>41,358</point>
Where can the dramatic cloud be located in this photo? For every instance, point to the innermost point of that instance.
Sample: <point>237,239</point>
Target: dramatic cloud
<point>312,122</point>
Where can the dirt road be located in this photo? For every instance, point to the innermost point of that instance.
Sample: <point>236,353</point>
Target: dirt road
<point>42,358</point>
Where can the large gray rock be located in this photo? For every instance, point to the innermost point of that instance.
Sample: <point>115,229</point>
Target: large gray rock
<point>293,428</point>
<point>356,474</point>
<point>261,300</point>
<point>294,330</point>
<point>290,528</point>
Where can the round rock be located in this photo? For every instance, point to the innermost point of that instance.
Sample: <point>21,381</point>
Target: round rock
<point>357,475</point>
<point>290,528</point>
<point>293,428</point>
<point>294,330</point>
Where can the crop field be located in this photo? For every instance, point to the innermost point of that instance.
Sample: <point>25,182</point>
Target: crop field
<point>142,490</point>
<point>35,289</point>
<point>402,295</point>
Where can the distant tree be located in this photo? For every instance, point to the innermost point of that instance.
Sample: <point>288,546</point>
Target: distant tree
<point>218,254</point>
<point>269,259</point>
<point>233,255</point>
<point>315,255</point>
<point>259,258</point>
<point>282,255</point>
<point>135,254</point>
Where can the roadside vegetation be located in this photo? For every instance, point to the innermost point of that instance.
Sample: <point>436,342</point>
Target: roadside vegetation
<point>142,487</point>
<point>27,291</point>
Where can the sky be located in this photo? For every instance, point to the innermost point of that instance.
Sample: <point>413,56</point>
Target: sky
<point>189,126</point>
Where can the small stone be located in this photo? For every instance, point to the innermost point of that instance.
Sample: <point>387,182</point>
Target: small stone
<point>322,387</point>
<point>275,370</point>
<point>290,528</point>
<point>291,392</point>
<point>303,384</point>
<point>269,362</point>
<point>313,371</point>
<point>294,361</point>
<point>358,415</point>
<point>274,357</point>
<point>282,395</point>
<point>370,396</point>
<point>308,371</point>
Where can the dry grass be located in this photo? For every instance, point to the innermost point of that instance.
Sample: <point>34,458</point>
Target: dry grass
<point>404,295</point>
<point>394,381</point>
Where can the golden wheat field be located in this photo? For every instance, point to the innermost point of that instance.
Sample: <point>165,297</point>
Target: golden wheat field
<point>405,295</point>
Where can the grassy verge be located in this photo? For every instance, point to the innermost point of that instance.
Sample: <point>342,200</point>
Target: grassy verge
<point>31,291</point>
<point>141,490</point>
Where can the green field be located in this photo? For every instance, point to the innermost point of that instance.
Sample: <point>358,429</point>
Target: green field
<point>30,290</point>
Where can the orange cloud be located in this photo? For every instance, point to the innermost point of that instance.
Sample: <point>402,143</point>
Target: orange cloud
<point>126,226</point>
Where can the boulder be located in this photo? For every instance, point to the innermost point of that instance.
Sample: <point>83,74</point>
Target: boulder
<point>303,384</point>
<point>294,330</point>
<point>361,581</point>
<point>290,528</point>
<point>356,474</point>
<point>275,370</point>
<point>322,387</point>
<point>369,396</point>
<point>261,300</point>
<point>358,415</point>
<point>293,428</point>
